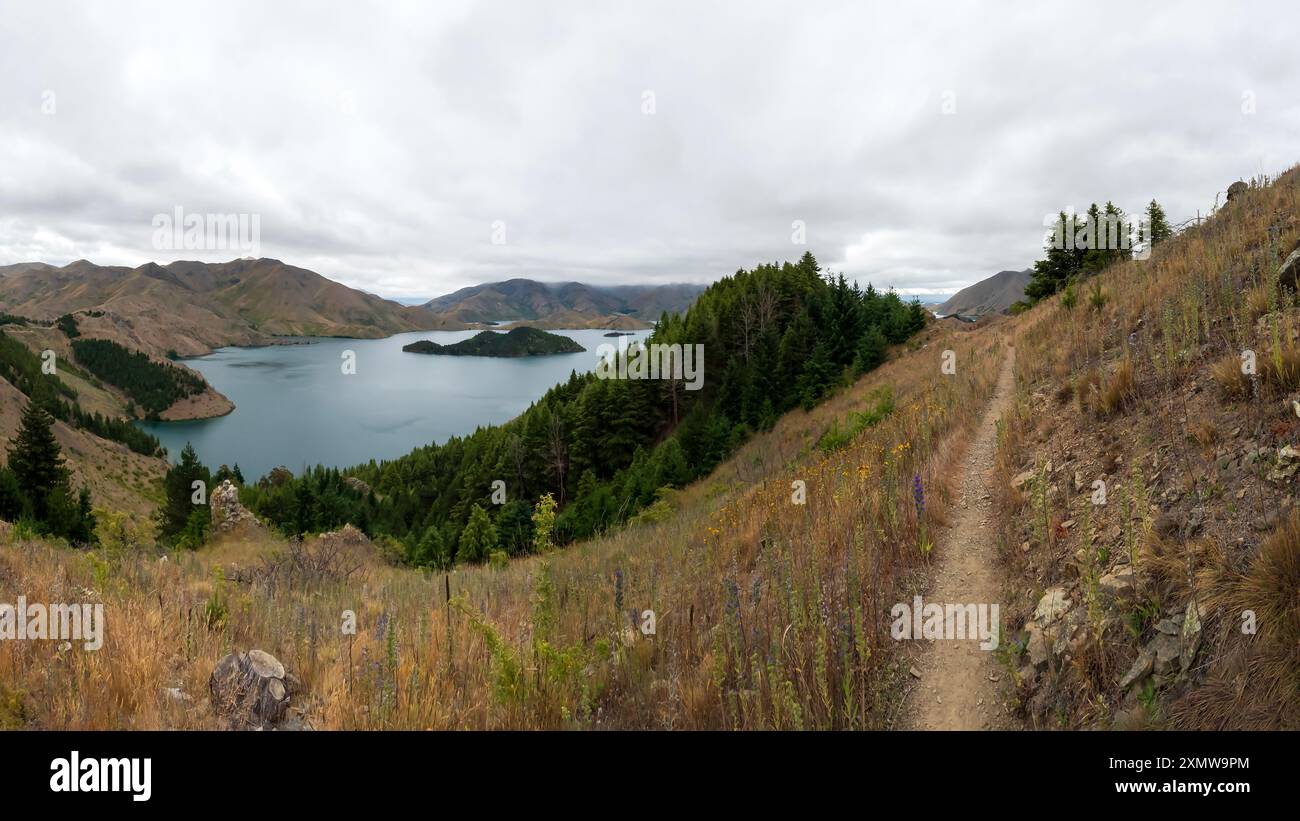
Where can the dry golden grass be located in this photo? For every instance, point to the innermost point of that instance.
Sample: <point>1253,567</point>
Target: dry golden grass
<point>1258,302</point>
<point>1280,368</point>
<point>1117,391</point>
<point>1232,381</point>
<point>1205,433</point>
<point>769,614</point>
<point>1107,395</point>
<point>1256,685</point>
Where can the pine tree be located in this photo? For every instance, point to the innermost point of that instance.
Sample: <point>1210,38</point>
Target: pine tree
<point>432,550</point>
<point>478,539</point>
<point>12,498</point>
<point>1157,224</point>
<point>37,461</point>
<point>1059,264</point>
<point>83,528</point>
<point>515,526</point>
<point>871,350</point>
<point>179,507</point>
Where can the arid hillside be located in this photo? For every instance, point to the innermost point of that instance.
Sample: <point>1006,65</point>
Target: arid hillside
<point>1152,545</point>
<point>193,307</point>
<point>993,295</point>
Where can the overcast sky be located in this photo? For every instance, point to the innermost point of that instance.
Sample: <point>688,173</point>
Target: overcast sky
<point>386,145</point>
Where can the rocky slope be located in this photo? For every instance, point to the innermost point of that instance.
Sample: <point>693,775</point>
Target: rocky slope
<point>993,295</point>
<point>1152,539</point>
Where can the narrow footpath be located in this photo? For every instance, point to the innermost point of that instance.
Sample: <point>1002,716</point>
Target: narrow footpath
<point>959,683</point>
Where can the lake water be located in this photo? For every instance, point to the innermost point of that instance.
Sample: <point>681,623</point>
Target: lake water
<point>295,407</point>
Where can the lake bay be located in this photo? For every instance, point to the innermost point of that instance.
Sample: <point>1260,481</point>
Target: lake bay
<point>295,407</point>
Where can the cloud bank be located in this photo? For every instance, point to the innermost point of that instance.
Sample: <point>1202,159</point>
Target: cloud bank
<point>410,148</point>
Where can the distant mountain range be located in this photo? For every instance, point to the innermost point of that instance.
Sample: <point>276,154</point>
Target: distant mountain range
<point>564,305</point>
<point>190,308</point>
<point>988,296</point>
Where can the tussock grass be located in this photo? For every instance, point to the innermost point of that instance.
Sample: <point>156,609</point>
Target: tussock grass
<point>1107,395</point>
<point>1255,686</point>
<point>1228,375</point>
<point>1258,302</point>
<point>1117,391</point>
<point>1280,369</point>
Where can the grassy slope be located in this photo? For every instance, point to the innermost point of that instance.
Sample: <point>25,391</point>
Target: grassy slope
<point>769,614</point>
<point>118,479</point>
<point>1147,395</point>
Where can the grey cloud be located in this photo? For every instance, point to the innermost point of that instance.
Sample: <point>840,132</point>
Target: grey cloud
<point>380,143</point>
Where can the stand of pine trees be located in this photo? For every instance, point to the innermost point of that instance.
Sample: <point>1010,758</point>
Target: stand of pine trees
<point>153,386</point>
<point>775,338</point>
<point>1076,260</point>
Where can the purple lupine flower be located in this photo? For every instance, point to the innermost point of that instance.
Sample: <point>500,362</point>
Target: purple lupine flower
<point>733,597</point>
<point>918,493</point>
<point>618,588</point>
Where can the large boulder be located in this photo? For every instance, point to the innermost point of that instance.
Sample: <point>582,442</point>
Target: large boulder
<point>346,536</point>
<point>1237,189</point>
<point>251,688</point>
<point>1141,668</point>
<point>227,512</point>
<point>1054,604</point>
<point>1290,270</point>
<point>1168,649</point>
<point>356,484</point>
<point>1035,644</point>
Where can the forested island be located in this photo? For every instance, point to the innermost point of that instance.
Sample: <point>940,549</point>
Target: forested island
<point>523,341</point>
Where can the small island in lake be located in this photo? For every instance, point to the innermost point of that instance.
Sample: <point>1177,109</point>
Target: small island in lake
<point>523,341</point>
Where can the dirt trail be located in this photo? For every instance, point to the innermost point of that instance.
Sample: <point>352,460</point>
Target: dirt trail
<point>959,683</point>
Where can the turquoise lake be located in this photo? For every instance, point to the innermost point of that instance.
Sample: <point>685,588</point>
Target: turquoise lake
<point>295,407</point>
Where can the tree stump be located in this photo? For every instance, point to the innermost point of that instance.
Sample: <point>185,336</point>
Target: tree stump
<point>250,688</point>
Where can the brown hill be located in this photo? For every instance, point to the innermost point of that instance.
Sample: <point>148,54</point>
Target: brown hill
<point>564,305</point>
<point>993,295</point>
<point>193,307</point>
